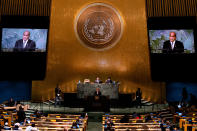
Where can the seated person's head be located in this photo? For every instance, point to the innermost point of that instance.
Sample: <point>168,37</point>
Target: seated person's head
<point>16,125</point>
<point>6,124</point>
<point>11,99</point>
<point>33,125</point>
<point>20,108</point>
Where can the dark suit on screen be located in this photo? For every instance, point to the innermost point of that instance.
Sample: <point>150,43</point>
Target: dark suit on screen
<point>30,46</point>
<point>178,47</point>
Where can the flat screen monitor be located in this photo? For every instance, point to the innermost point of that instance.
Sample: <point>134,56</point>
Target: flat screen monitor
<point>185,37</point>
<point>24,40</point>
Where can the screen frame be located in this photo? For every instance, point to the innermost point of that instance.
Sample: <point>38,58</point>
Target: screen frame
<point>177,29</point>
<point>24,65</point>
<point>1,38</point>
<point>172,23</point>
<point>161,63</point>
<point>20,22</point>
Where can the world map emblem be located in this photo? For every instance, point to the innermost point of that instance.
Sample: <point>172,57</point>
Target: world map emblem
<point>98,26</point>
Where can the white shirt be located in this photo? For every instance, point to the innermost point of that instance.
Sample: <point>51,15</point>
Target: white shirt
<point>172,44</point>
<point>24,43</point>
<point>28,128</point>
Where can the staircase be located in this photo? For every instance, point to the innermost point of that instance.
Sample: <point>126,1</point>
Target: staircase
<point>166,114</point>
<point>146,103</point>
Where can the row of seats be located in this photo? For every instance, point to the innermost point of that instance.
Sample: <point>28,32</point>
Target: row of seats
<point>51,122</point>
<point>61,122</point>
<point>128,122</point>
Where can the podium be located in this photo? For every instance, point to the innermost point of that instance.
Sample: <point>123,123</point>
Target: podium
<point>97,103</point>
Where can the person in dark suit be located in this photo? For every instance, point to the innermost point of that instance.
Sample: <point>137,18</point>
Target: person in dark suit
<point>108,80</point>
<point>25,44</point>
<point>138,97</point>
<point>11,102</point>
<point>184,96</point>
<point>97,80</point>
<point>97,94</point>
<point>21,115</point>
<point>173,45</point>
<point>57,90</point>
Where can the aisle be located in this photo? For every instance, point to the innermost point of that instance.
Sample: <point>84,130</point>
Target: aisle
<point>94,126</point>
<point>95,121</point>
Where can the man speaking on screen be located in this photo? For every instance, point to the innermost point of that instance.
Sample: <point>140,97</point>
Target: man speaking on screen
<point>173,45</point>
<point>25,44</point>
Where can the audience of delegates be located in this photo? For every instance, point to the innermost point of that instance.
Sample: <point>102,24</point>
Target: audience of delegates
<point>184,109</point>
<point>164,123</point>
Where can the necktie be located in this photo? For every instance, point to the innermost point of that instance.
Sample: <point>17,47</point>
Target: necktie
<point>172,45</point>
<point>24,44</point>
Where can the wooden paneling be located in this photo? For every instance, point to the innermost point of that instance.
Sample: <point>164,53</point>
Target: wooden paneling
<point>25,7</point>
<point>171,8</point>
<point>69,61</point>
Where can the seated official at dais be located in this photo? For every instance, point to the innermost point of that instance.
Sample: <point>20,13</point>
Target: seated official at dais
<point>98,80</point>
<point>108,80</point>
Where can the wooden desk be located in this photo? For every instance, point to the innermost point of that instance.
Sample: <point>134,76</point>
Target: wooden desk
<point>9,108</point>
<point>194,127</point>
